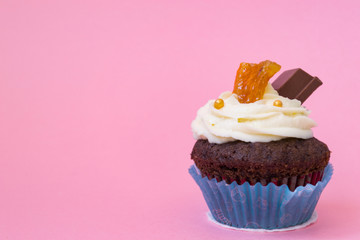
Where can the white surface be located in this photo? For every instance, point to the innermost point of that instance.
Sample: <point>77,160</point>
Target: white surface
<point>305,224</point>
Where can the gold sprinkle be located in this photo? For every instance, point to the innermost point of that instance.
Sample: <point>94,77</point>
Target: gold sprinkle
<point>212,124</point>
<point>278,103</point>
<point>219,103</point>
<point>240,120</point>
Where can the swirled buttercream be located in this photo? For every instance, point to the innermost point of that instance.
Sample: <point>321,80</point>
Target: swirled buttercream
<point>259,121</point>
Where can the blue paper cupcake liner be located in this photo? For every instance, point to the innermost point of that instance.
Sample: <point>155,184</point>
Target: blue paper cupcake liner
<point>258,206</point>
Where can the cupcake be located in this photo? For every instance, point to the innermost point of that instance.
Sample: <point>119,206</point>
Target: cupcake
<point>256,159</point>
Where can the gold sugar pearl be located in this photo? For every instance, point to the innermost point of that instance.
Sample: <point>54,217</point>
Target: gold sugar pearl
<point>219,103</point>
<point>278,103</point>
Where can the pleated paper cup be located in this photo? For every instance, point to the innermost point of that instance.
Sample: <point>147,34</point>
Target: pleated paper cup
<point>257,206</point>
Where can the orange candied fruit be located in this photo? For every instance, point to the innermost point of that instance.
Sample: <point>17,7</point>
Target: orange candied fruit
<point>252,79</point>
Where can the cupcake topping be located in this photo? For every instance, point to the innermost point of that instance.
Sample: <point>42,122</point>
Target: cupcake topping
<point>219,103</point>
<point>252,112</point>
<point>278,103</point>
<point>296,84</point>
<point>252,79</point>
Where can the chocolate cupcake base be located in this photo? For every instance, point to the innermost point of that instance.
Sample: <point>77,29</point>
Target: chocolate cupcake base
<point>291,161</point>
<point>292,182</point>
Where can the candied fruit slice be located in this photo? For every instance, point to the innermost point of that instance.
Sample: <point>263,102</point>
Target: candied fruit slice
<point>251,80</point>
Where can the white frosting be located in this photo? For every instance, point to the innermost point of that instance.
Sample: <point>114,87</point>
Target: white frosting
<point>252,122</point>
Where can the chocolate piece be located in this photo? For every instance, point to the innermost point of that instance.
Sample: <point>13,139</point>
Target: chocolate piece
<point>296,84</point>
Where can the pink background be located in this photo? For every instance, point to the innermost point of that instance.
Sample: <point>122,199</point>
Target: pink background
<point>97,97</point>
